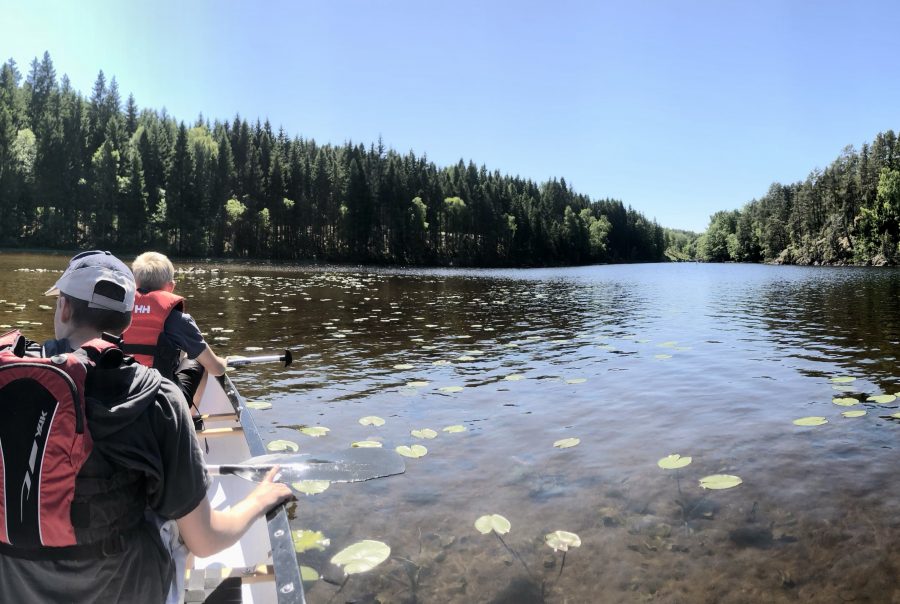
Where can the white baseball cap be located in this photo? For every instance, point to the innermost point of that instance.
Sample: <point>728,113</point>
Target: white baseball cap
<point>98,278</point>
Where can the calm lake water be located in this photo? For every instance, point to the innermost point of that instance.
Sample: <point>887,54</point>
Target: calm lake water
<point>638,362</point>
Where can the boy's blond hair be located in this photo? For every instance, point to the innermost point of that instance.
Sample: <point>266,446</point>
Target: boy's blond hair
<point>152,271</point>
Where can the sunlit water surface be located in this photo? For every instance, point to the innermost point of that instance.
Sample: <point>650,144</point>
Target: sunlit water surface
<point>638,362</point>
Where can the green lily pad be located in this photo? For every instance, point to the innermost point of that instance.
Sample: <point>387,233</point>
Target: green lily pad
<point>305,540</point>
<point>283,445</point>
<point>812,420</point>
<point>403,366</point>
<point>565,443</point>
<point>366,444</point>
<point>414,451</point>
<point>441,363</point>
<point>562,540</point>
<point>673,462</point>
<point>466,359</point>
<point>514,377</point>
<point>315,431</point>
<point>261,405</point>
<point>895,415</point>
<point>454,429</point>
<point>424,433</point>
<point>361,557</point>
<point>576,381</point>
<point>493,522</point>
<point>882,399</point>
<point>450,389</point>
<point>844,379</point>
<point>667,344</point>
<point>371,420</point>
<point>418,384</point>
<point>854,413</point>
<point>311,487</point>
<point>662,357</point>
<point>308,574</point>
<point>720,481</point>
<point>846,401</point>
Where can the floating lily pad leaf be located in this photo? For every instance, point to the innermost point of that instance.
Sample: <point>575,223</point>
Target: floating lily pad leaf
<point>283,445</point>
<point>576,381</point>
<point>414,451</point>
<point>514,377</point>
<point>466,359</point>
<point>315,431</point>
<point>662,357</point>
<point>844,379</point>
<point>361,557</point>
<point>493,522</point>
<point>261,405</point>
<point>420,384</point>
<point>854,413</point>
<point>812,420</point>
<point>562,540</point>
<point>305,540</point>
<point>424,433</point>
<point>720,481</point>
<point>454,429</point>
<point>403,366</point>
<point>440,363</point>
<point>371,420</point>
<point>673,462</point>
<point>450,388</point>
<point>882,399</point>
<point>366,444</point>
<point>311,487</point>
<point>670,344</point>
<point>308,574</point>
<point>846,401</point>
<point>565,443</point>
<point>45,307</point>
<point>895,415</point>
<point>253,348</point>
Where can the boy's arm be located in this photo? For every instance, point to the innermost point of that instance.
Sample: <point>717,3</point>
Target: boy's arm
<point>213,363</point>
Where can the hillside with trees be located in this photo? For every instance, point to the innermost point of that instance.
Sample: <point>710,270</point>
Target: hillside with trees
<point>848,213</point>
<point>98,172</point>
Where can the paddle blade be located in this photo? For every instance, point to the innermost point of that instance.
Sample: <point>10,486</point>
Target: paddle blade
<point>352,465</point>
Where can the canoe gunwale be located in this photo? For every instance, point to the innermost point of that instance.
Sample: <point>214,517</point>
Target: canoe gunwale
<point>288,583</point>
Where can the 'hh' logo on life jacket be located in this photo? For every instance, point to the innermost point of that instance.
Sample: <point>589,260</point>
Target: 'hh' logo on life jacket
<point>142,309</point>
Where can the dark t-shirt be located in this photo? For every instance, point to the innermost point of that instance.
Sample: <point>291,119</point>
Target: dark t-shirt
<point>184,334</point>
<point>155,439</point>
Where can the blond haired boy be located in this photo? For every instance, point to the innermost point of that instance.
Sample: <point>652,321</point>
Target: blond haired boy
<point>162,335</point>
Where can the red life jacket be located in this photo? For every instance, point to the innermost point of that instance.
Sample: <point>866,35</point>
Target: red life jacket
<point>44,442</point>
<point>144,339</point>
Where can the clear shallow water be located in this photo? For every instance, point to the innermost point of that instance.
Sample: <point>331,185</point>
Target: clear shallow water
<point>710,361</point>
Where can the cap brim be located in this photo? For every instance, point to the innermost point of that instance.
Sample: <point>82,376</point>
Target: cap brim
<point>53,291</point>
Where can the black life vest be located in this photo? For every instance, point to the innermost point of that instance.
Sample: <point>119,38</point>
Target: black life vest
<point>145,339</point>
<point>45,445</point>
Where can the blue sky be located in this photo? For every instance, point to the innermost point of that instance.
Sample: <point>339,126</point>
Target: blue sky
<point>678,109</point>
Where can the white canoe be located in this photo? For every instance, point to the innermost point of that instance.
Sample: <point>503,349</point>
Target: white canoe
<point>262,567</point>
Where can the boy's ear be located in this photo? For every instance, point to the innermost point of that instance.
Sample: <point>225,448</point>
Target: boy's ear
<point>65,309</point>
<point>169,287</point>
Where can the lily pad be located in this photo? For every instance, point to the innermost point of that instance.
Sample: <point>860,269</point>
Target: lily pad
<point>450,389</point>
<point>283,445</point>
<point>673,462</point>
<point>424,433</point>
<point>493,522</point>
<point>305,540</point>
<point>514,377</point>
<point>308,574</point>
<point>562,540</point>
<point>414,451</point>
<point>720,481</point>
<point>361,557</point>
<point>454,429</point>
<point>441,363</point>
<point>843,379</point>
<point>854,413</point>
<point>662,357</point>
<point>403,366</point>
<point>261,405</point>
<point>566,443</point>
<point>419,384</point>
<point>315,431</point>
<point>311,487</point>
<point>366,444</point>
<point>882,399</point>
<point>812,420</point>
<point>371,420</point>
<point>576,381</point>
<point>846,401</point>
